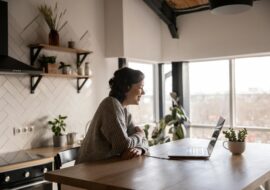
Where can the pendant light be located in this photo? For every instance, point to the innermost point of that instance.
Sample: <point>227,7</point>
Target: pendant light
<point>229,6</point>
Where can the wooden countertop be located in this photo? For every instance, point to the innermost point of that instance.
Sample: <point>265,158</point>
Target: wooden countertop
<point>25,164</point>
<point>50,151</point>
<point>222,171</point>
<point>47,155</point>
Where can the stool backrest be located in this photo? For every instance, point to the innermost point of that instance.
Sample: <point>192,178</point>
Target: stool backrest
<point>65,157</point>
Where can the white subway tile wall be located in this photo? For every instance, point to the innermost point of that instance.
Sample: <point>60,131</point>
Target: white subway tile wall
<point>53,96</point>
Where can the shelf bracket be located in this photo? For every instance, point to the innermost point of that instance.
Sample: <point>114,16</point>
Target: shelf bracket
<point>34,54</point>
<point>79,86</point>
<point>80,58</point>
<point>34,83</point>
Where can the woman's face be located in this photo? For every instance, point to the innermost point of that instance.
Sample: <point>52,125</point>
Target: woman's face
<point>134,94</point>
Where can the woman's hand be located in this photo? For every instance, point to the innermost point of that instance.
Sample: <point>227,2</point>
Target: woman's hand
<point>131,153</point>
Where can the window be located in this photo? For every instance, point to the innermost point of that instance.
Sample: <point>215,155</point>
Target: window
<point>144,113</point>
<point>243,101</point>
<point>237,89</point>
<point>252,90</point>
<point>168,87</point>
<point>209,91</point>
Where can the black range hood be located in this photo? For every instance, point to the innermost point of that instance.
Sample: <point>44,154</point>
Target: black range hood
<point>9,64</point>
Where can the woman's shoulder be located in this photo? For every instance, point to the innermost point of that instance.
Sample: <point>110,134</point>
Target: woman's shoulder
<point>110,101</point>
<point>110,105</point>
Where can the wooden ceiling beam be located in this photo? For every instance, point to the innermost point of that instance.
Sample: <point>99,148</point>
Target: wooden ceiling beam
<point>161,8</point>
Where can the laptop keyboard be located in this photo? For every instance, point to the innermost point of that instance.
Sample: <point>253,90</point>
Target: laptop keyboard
<point>193,151</point>
<point>197,151</point>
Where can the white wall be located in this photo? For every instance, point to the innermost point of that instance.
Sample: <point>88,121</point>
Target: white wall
<point>53,96</point>
<point>114,30</point>
<point>204,35</point>
<point>133,30</point>
<point>142,31</point>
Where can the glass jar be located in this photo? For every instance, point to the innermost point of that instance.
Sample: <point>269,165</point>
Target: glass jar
<point>80,71</point>
<point>87,70</point>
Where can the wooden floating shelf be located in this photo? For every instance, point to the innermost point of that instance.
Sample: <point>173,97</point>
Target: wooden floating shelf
<point>64,75</point>
<point>35,79</point>
<point>59,48</point>
<point>81,54</point>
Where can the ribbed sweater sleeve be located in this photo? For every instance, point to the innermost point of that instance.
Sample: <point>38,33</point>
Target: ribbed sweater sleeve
<point>131,130</point>
<point>114,128</point>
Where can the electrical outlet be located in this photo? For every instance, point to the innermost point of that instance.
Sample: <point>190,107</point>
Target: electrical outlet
<point>17,131</point>
<point>31,129</point>
<point>24,129</point>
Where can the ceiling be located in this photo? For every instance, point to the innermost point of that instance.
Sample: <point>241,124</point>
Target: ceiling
<point>168,10</point>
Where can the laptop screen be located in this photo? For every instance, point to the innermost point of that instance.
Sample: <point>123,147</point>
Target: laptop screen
<point>215,135</point>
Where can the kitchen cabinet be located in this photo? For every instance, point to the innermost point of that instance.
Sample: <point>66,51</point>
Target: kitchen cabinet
<point>28,169</point>
<point>81,54</point>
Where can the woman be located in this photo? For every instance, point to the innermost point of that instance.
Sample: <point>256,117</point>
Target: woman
<point>112,132</point>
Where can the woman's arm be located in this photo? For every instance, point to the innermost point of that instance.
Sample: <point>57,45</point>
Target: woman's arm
<point>131,129</point>
<point>114,128</point>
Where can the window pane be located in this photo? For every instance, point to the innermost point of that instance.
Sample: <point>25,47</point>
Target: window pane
<point>144,113</point>
<point>209,91</point>
<point>168,87</point>
<point>252,89</point>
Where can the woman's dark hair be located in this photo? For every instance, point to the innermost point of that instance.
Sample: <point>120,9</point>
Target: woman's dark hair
<point>122,81</point>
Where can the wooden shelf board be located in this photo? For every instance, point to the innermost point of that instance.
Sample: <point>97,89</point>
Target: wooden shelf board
<point>59,48</point>
<point>64,75</point>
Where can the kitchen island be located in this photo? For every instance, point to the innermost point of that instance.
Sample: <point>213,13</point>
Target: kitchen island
<point>221,171</point>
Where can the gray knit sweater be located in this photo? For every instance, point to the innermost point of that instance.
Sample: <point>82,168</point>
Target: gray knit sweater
<point>110,133</point>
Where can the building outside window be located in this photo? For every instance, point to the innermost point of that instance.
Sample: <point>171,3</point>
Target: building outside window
<point>209,91</point>
<point>243,101</point>
<point>252,88</point>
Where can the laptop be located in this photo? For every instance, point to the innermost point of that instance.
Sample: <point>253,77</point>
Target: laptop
<point>199,152</point>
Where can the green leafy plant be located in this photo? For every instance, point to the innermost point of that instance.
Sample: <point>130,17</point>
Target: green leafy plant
<point>58,125</point>
<point>43,59</point>
<point>63,65</point>
<point>52,17</point>
<point>175,121</point>
<point>231,135</point>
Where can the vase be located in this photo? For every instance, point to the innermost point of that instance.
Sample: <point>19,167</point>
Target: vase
<point>71,138</point>
<point>66,70</point>
<point>54,38</point>
<point>59,141</point>
<point>87,70</point>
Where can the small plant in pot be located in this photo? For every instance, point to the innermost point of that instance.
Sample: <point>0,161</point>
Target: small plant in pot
<point>236,140</point>
<point>58,126</point>
<point>66,68</point>
<point>48,63</point>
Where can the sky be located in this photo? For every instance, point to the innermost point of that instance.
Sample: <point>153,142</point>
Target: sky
<point>252,75</point>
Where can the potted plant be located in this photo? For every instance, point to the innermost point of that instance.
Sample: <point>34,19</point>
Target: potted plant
<point>58,126</point>
<point>176,121</point>
<point>48,63</point>
<point>53,20</point>
<point>236,140</point>
<point>66,68</point>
